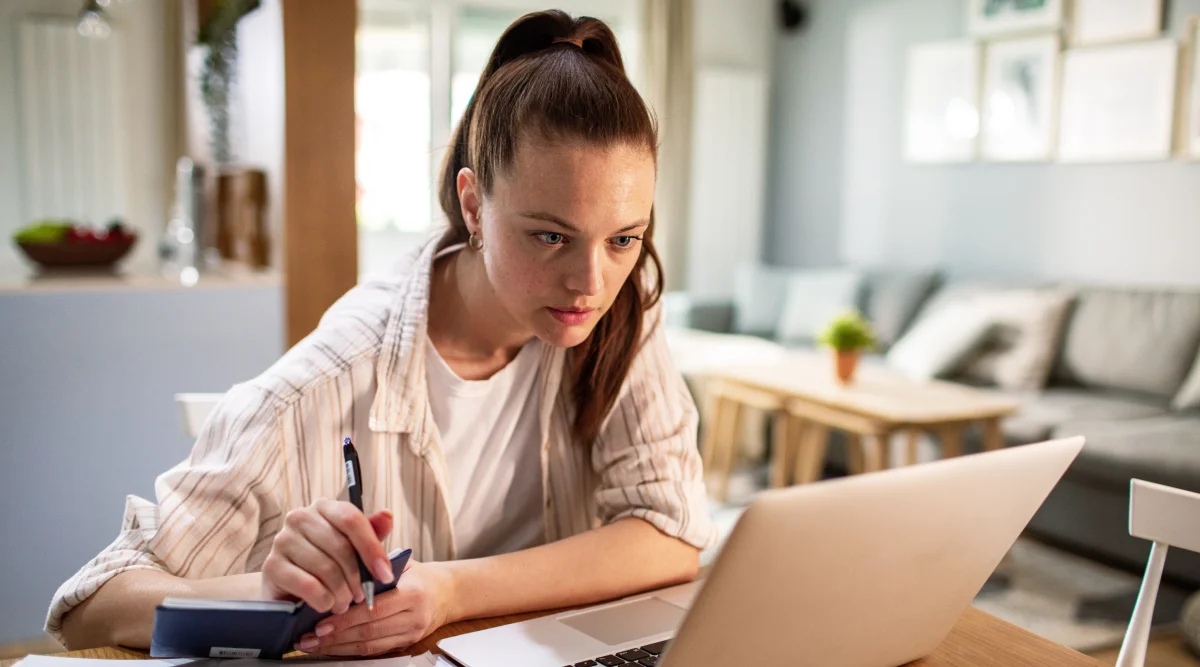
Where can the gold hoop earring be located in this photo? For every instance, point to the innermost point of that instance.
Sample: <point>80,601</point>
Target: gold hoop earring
<point>475,242</point>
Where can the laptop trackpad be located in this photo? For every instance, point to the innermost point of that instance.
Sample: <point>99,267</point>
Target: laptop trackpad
<point>626,622</point>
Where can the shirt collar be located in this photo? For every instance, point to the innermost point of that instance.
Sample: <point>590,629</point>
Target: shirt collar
<point>401,404</point>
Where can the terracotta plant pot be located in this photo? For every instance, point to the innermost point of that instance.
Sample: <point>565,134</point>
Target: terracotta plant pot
<point>847,363</point>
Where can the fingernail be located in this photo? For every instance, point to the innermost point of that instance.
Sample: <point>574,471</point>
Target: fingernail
<point>359,597</point>
<point>389,513</point>
<point>342,608</point>
<point>309,644</point>
<point>324,629</point>
<point>383,570</point>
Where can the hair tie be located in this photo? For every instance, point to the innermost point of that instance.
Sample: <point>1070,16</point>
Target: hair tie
<point>568,40</point>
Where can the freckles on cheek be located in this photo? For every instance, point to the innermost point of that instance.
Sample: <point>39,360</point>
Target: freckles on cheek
<point>522,277</point>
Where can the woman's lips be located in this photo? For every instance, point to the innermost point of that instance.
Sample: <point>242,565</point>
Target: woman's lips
<point>571,316</point>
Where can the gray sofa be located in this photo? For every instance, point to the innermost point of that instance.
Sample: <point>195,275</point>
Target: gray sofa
<point>1123,356</point>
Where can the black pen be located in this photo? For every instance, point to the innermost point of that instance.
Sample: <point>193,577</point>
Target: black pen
<point>354,486</point>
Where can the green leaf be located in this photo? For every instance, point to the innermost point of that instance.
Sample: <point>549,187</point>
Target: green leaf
<point>848,332</point>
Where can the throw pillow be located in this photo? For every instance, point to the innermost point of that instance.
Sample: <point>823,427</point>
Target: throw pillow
<point>941,340</point>
<point>813,299</point>
<point>1188,396</point>
<point>1020,349</point>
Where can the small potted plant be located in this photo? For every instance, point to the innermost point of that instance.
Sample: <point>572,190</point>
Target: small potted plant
<point>848,335</point>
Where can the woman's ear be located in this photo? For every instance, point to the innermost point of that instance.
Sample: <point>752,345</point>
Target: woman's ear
<point>469,199</point>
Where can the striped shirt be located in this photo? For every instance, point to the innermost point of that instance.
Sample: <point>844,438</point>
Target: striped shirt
<point>274,444</point>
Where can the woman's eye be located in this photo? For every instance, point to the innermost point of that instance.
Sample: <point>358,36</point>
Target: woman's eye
<point>550,238</point>
<point>624,241</point>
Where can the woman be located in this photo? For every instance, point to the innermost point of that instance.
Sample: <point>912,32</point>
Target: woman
<point>517,415</point>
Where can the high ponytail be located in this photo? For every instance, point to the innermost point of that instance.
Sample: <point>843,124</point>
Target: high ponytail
<point>560,78</point>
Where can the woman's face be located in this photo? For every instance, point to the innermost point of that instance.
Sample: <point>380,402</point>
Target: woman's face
<point>561,232</point>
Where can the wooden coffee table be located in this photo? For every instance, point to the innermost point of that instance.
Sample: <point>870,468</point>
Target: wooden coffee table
<point>801,392</point>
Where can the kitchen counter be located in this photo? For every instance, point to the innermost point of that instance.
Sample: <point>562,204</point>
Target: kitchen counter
<point>25,278</point>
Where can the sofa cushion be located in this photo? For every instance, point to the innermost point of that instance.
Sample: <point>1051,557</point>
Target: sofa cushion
<point>758,294</point>
<point>1020,349</point>
<point>892,298</point>
<point>813,299</point>
<point>1188,396</point>
<point>1163,450</point>
<point>941,341</point>
<point>1131,340</point>
<point>1042,411</point>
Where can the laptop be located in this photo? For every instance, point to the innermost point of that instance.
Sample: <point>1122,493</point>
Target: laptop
<point>866,571</point>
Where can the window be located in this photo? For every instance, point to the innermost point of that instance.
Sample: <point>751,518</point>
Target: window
<point>418,62</point>
<point>391,103</point>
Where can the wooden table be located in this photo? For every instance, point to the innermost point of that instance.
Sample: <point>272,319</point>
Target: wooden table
<point>978,640</point>
<point>800,389</point>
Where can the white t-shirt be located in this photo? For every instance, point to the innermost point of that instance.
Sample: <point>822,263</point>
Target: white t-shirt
<point>491,441</point>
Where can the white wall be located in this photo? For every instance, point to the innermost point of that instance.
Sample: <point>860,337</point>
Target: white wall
<point>840,191</point>
<point>150,138</point>
<point>732,52</point>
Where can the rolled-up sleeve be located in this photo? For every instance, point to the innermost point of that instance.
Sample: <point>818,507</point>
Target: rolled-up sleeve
<point>216,512</point>
<point>647,456</point>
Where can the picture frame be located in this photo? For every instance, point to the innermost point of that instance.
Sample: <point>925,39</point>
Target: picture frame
<point>1020,99</point>
<point>1096,22</point>
<point>942,102</point>
<point>1118,102</point>
<point>1189,143</point>
<point>990,18</point>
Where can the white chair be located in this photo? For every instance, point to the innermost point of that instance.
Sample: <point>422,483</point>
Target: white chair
<point>1169,518</point>
<point>195,409</point>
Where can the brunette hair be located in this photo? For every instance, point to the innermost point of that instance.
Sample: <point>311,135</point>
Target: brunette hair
<point>558,78</point>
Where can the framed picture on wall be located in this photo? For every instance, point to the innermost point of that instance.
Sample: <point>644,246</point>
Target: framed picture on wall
<point>1191,95</point>
<point>942,108</point>
<point>1104,21</point>
<point>1020,95</point>
<point>1118,102</point>
<point>987,18</point>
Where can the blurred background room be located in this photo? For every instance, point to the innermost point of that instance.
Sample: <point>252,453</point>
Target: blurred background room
<point>868,211</point>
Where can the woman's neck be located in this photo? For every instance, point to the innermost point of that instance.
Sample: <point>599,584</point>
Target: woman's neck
<point>467,324</point>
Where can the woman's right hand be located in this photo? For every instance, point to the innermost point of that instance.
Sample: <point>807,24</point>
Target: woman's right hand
<point>313,557</point>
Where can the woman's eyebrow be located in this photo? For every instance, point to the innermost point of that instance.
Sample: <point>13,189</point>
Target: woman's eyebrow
<point>546,217</point>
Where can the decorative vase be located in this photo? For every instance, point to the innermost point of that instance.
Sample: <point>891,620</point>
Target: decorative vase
<point>847,363</point>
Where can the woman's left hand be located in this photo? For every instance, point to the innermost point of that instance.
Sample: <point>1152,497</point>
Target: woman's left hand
<point>403,616</point>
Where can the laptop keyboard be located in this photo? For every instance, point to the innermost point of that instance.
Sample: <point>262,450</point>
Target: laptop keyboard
<point>646,656</point>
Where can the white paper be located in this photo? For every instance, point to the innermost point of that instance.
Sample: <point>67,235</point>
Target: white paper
<point>423,660</point>
<point>58,661</point>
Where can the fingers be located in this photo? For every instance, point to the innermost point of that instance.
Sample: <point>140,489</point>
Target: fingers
<point>338,554</point>
<point>361,533</point>
<point>305,545</point>
<point>395,601</point>
<point>382,635</point>
<point>381,521</point>
<point>289,580</point>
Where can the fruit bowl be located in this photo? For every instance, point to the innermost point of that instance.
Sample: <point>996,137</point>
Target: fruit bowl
<point>78,254</point>
<point>64,244</point>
